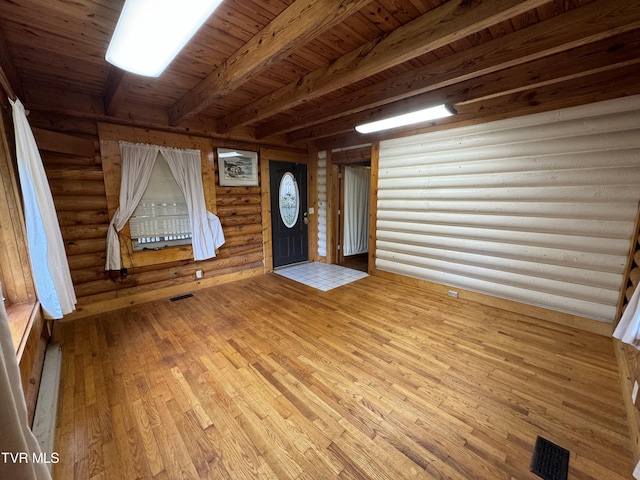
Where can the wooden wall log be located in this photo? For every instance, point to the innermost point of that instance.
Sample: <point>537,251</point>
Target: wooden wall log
<point>247,264</point>
<point>87,173</point>
<point>84,246</point>
<point>78,232</point>
<point>242,240</point>
<point>86,217</point>
<point>77,187</point>
<point>72,203</point>
<point>235,230</point>
<point>230,251</point>
<point>239,200</point>
<point>232,210</point>
<point>89,274</point>
<point>241,220</point>
<point>87,260</point>
<point>76,172</point>
<point>53,160</point>
<point>243,191</point>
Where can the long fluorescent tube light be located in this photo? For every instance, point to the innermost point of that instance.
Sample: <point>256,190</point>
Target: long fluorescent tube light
<point>425,115</point>
<point>150,33</point>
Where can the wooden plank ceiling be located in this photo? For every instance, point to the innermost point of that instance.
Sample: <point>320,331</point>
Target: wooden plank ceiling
<point>310,70</point>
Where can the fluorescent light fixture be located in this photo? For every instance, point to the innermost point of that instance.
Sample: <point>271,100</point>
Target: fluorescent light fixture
<point>150,33</point>
<point>425,115</point>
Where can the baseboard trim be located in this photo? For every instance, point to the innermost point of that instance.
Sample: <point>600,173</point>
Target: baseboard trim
<point>540,313</point>
<point>44,420</point>
<point>633,414</point>
<point>94,308</point>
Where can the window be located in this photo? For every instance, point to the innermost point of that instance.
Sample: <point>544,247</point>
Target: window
<point>195,174</point>
<point>288,200</point>
<point>161,219</point>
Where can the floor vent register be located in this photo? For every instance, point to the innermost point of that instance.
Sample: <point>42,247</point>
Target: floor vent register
<point>549,461</point>
<point>181,297</point>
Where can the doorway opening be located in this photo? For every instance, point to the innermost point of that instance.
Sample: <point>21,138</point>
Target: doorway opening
<point>353,224</point>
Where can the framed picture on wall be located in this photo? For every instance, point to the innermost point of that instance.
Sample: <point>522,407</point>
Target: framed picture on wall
<point>237,167</point>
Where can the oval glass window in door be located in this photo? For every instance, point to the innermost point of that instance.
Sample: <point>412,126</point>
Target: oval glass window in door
<point>289,200</point>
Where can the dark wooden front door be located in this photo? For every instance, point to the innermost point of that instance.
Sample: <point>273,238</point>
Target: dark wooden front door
<point>290,236</point>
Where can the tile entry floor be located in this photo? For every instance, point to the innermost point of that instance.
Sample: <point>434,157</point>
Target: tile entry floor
<point>319,275</point>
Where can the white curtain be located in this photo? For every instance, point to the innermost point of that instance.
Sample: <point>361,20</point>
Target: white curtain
<point>628,329</point>
<point>206,230</point>
<point>137,164</point>
<point>49,264</point>
<point>15,435</point>
<point>356,210</point>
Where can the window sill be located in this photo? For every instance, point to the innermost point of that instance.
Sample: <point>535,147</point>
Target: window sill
<point>145,258</point>
<point>21,317</point>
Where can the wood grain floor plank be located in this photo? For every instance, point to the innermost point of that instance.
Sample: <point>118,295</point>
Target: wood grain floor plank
<point>151,450</point>
<point>265,378</point>
<point>176,456</point>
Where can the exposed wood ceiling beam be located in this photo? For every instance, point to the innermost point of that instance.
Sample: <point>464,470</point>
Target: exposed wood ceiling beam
<point>608,54</point>
<point>436,28</point>
<point>352,156</point>
<point>118,84</point>
<point>302,21</point>
<point>454,95</point>
<point>599,20</point>
<point>555,96</point>
<point>54,105</point>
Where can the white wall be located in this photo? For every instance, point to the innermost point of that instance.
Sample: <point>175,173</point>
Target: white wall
<point>322,204</point>
<point>537,209</point>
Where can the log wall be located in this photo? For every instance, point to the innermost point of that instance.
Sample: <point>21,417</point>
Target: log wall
<point>538,210</point>
<point>76,171</point>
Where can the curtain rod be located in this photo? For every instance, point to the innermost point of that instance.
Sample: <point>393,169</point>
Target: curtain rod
<point>4,82</point>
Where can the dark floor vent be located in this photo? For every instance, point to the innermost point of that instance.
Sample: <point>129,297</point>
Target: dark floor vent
<point>181,297</point>
<point>550,461</point>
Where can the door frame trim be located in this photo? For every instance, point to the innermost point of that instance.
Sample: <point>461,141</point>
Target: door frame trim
<point>266,156</point>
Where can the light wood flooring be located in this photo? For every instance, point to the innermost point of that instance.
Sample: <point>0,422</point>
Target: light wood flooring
<point>268,378</point>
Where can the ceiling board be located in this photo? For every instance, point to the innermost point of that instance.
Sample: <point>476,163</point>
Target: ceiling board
<point>60,46</point>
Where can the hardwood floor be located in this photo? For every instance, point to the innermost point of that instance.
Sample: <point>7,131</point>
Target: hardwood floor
<point>267,378</point>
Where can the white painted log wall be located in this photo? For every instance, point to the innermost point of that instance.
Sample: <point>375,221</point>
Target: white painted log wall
<point>322,204</point>
<point>537,209</point>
